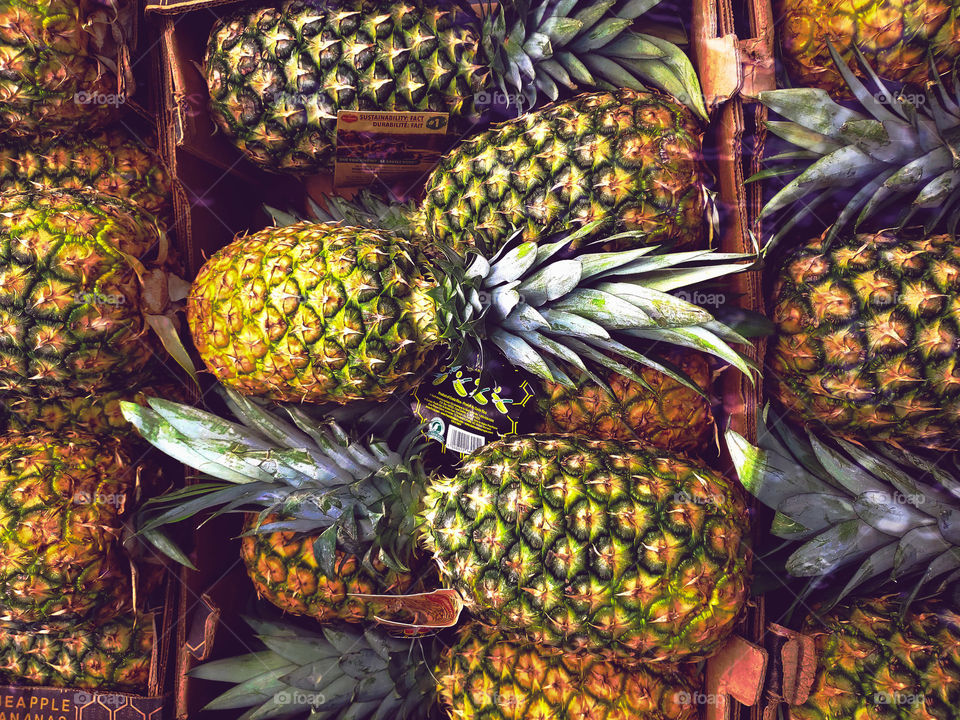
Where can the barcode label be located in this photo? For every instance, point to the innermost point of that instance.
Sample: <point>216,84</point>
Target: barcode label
<point>462,441</point>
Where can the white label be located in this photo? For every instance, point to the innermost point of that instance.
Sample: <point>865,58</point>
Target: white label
<point>462,441</point>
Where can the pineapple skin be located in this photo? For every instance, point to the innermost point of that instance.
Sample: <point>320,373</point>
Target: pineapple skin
<point>277,76</point>
<point>872,665</point>
<point>114,654</point>
<point>664,414</point>
<point>866,338</point>
<point>284,571</point>
<point>110,161</point>
<point>316,313</point>
<point>630,159</point>
<point>50,78</point>
<point>593,545</point>
<point>62,500</point>
<point>489,675</point>
<point>893,35</point>
<point>99,413</point>
<point>62,256</point>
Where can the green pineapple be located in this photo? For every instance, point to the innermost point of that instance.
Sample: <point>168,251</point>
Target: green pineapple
<point>278,75</point>
<point>867,329</point>
<point>592,545</point>
<point>894,36</point>
<point>482,674</point>
<point>628,160</point>
<point>111,161</point>
<point>320,313</point>
<point>58,61</point>
<point>82,281</point>
<point>113,654</point>
<point>62,501</point>
<point>875,664</point>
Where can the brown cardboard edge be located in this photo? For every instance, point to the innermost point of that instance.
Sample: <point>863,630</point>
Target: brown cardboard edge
<point>717,54</point>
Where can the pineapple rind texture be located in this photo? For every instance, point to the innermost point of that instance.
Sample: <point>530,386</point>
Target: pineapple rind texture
<point>593,544</point>
<point>893,35</point>
<point>487,675</point>
<point>631,159</point>
<point>111,162</point>
<point>872,665</point>
<point>114,654</point>
<point>71,306</point>
<point>50,77</point>
<point>285,571</point>
<point>867,337</point>
<point>316,312</point>
<point>277,76</point>
<point>663,414</point>
<point>62,497</point>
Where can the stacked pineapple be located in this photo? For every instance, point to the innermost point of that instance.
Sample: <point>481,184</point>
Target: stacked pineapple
<point>594,559</point>
<point>856,456</point>
<point>83,260</point>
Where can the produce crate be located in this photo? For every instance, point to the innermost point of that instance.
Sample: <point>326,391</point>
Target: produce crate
<point>220,195</point>
<point>733,54</point>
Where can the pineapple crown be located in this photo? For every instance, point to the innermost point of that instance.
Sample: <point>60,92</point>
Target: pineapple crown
<point>546,307</point>
<point>892,145</point>
<point>334,673</point>
<point>853,507</point>
<point>301,476</point>
<point>543,312</point>
<point>536,47</point>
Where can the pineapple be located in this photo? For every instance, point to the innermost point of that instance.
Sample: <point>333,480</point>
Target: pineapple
<point>56,65</point>
<point>111,161</point>
<point>482,675</point>
<point>321,313</point>
<point>278,75</point>
<point>881,511</point>
<point>894,36</point>
<point>660,411</point>
<point>81,282</point>
<point>890,150</point>
<point>875,664</point>
<point>595,545</point>
<point>285,571</point>
<point>98,414</point>
<point>629,159</point>
<point>866,339</point>
<point>62,499</point>
<point>113,654</point>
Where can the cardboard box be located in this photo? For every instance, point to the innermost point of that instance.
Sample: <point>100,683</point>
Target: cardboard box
<point>221,193</point>
<point>733,52</point>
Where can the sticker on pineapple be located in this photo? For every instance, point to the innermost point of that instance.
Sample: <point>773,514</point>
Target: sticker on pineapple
<point>386,146</point>
<point>464,408</point>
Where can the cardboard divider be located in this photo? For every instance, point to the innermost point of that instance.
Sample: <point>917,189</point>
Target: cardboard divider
<point>732,71</point>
